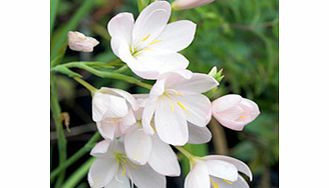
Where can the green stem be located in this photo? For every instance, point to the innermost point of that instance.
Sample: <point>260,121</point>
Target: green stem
<point>122,69</point>
<point>88,86</point>
<point>185,153</point>
<point>113,75</point>
<point>85,149</point>
<point>56,112</point>
<point>76,177</point>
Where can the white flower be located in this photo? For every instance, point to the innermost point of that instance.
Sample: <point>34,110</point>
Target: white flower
<point>176,100</point>
<point>79,42</point>
<point>112,169</point>
<point>113,111</point>
<point>142,148</point>
<point>149,46</point>
<point>217,171</point>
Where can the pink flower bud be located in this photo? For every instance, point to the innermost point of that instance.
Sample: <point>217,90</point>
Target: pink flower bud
<point>188,4</point>
<point>234,112</point>
<point>80,42</point>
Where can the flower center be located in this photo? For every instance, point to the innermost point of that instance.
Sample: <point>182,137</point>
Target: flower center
<point>171,95</point>
<point>142,45</point>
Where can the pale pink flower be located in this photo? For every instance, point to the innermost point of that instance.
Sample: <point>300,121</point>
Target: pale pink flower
<point>79,42</point>
<point>217,171</point>
<point>188,4</point>
<point>113,169</point>
<point>113,111</point>
<point>149,45</point>
<point>142,148</point>
<point>174,101</point>
<point>234,112</point>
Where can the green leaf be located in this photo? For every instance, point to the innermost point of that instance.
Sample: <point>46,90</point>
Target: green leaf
<point>53,10</point>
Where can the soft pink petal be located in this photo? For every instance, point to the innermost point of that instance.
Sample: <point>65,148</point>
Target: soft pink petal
<point>138,146</point>
<point>145,177</point>
<point>199,83</point>
<point>170,123</point>
<point>198,177</point>
<point>222,169</point>
<point>188,4</point>
<point>101,148</point>
<point>121,26</point>
<point>176,36</point>
<point>101,172</point>
<point>147,118</point>
<point>226,102</point>
<point>151,22</point>
<point>197,108</point>
<point>241,166</point>
<point>163,159</point>
<point>198,135</point>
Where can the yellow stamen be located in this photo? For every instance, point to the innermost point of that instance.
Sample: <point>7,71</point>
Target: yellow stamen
<point>172,107</point>
<point>146,37</point>
<point>181,105</point>
<point>243,117</point>
<point>154,42</point>
<point>124,171</point>
<point>214,184</point>
<point>226,181</point>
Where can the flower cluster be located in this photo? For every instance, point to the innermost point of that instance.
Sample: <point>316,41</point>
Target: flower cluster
<point>139,129</point>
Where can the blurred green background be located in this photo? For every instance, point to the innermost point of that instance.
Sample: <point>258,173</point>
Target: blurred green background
<point>240,36</point>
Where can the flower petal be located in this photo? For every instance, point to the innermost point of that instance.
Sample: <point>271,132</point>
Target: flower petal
<point>107,105</point>
<point>151,22</point>
<point>176,36</point>
<point>119,181</point>
<point>222,169</point>
<point>170,123</point>
<point>138,146</point>
<point>102,171</point>
<point>127,121</point>
<point>240,183</point>
<point>106,129</point>
<point>101,148</point>
<point>163,159</point>
<point>121,26</point>
<point>198,177</point>
<point>130,98</point>
<point>226,102</point>
<point>241,166</point>
<point>198,135</point>
<point>145,177</point>
<point>159,63</point>
<point>199,83</point>
<point>147,118</point>
<point>197,108</point>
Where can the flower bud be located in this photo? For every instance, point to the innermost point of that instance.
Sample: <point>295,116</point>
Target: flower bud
<point>80,42</point>
<point>188,4</point>
<point>234,112</point>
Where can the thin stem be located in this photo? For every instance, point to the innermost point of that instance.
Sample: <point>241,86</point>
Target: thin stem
<point>122,69</point>
<point>113,75</point>
<point>56,112</point>
<point>185,153</point>
<point>88,86</point>
<point>85,149</point>
<point>76,177</point>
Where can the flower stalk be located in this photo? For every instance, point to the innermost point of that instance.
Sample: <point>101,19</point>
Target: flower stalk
<point>85,149</point>
<point>56,112</point>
